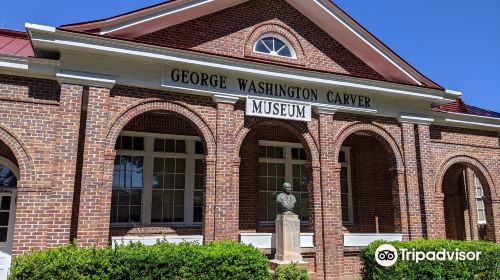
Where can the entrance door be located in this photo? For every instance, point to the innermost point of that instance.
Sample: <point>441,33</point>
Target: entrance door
<point>7,218</point>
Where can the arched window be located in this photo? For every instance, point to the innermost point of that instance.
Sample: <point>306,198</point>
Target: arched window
<point>9,173</point>
<point>274,46</point>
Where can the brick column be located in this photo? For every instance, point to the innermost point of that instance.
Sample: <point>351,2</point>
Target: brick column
<point>333,249</point>
<point>470,191</point>
<point>66,152</point>
<point>226,212</point>
<point>209,201</point>
<point>495,217</point>
<point>399,198</point>
<point>431,201</point>
<point>95,196</point>
<point>316,209</point>
<point>412,181</point>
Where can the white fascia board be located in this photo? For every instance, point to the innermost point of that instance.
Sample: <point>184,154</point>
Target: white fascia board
<point>467,121</point>
<point>454,92</point>
<point>367,40</point>
<point>481,124</point>
<point>153,16</point>
<point>79,42</point>
<point>29,66</point>
<point>406,118</point>
<point>86,79</point>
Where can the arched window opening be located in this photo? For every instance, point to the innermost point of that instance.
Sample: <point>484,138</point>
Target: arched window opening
<point>274,46</point>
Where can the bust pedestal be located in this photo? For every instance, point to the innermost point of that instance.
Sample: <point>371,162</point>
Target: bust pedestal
<point>288,238</point>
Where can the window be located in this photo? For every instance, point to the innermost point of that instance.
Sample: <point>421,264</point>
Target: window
<point>346,185</point>
<point>158,179</point>
<point>481,213</point>
<point>280,163</point>
<point>274,46</point>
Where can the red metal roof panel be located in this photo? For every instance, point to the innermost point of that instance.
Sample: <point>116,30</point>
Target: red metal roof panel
<point>15,43</point>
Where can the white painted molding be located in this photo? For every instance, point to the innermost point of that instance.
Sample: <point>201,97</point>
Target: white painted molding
<point>225,98</point>
<point>415,119</point>
<point>363,239</point>
<point>325,110</point>
<point>152,239</point>
<point>85,79</point>
<point>454,92</point>
<point>40,27</point>
<point>268,240</point>
<point>471,123</point>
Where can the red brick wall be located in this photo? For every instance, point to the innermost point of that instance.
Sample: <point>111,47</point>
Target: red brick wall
<point>220,33</point>
<point>371,185</point>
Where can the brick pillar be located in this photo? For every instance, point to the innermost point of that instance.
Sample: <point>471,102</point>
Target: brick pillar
<point>30,229</point>
<point>330,197</point>
<point>495,217</point>
<point>399,201</point>
<point>316,208</point>
<point>471,220</point>
<point>226,218</point>
<point>95,197</point>
<point>209,201</point>
<point>66,152</point>
<point>412,181</point>
<point>431,200</point>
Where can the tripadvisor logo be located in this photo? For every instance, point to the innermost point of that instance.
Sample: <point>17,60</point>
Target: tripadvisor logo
<point>387,255</point>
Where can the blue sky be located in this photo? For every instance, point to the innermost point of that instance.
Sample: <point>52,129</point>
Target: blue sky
<point>456,43</point>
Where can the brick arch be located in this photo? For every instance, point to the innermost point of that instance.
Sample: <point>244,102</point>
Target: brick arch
<point>470,162</point>
<point>281,30</point>
<point>24,160</point>
<point>381,134</point>
<point>306,139</point>
<point>144,106</point>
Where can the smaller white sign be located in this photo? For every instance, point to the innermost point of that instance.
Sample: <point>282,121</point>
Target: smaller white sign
<point>278,109</point>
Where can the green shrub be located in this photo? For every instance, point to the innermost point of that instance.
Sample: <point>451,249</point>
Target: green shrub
<point>224,260</point>
<point>487,267</point>
<point>290,272</point>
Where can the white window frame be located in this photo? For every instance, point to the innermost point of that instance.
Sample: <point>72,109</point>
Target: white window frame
<point>479,197</point>
<point>148,155</point>
<point>288,161</point>
<point>347,164</point>
<point>282,39</point>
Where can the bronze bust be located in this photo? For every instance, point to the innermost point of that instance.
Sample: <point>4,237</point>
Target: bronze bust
<point>286,199</point>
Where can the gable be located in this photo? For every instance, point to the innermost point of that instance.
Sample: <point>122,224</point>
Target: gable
<point>323,13</point>
<point>229,33</point>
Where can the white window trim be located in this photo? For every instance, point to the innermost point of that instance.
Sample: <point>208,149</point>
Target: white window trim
<point>148,155</point>
<point>11,165</point>
<point>288,161</point>
<point>347,164</point>
<point>477,184</point>
<point>279,37</point>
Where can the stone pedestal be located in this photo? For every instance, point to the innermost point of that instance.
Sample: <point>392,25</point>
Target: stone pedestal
<point>288,238</point>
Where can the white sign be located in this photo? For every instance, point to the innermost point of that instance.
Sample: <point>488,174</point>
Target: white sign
<point>278,109</point>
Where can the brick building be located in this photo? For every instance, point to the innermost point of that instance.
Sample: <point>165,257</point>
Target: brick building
<point>182,120</point>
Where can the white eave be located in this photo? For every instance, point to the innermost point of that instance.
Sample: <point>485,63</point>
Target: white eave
<point>44,38</point>
<point>466,120</point>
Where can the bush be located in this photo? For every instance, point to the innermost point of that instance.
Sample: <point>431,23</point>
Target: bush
<point>487,267</point>
<point>290,272</point>
<point>221,260</point>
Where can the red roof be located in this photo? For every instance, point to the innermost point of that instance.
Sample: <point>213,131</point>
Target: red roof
<point>15,43</point>
<point>459,106</point>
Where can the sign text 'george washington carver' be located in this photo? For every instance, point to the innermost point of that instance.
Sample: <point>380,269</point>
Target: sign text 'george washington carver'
<point>280,92</point>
